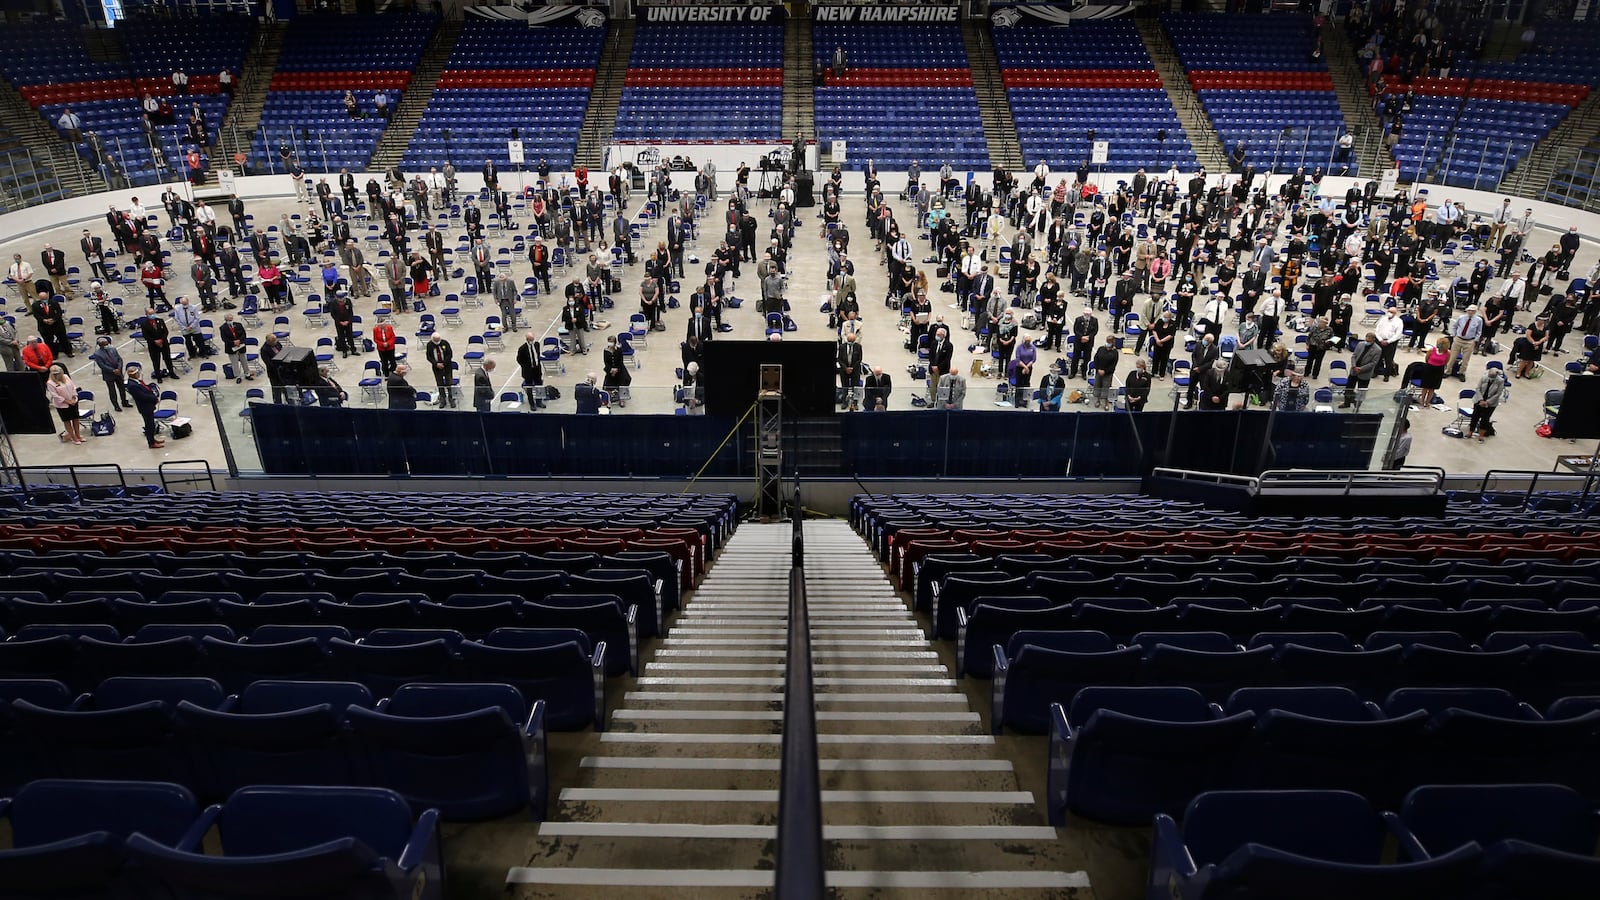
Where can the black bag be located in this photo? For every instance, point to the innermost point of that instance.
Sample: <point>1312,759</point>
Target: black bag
<point>103,426</point>
<point>181,431</point>
<point>616,285</point>
<point>551,392</point>
<point>944,272</point>
<point>1546,290</point>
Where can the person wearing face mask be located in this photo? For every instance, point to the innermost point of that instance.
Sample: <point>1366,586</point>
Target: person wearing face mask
<point>108,362</point>
<point>440,355</point>
<point>617,378</point>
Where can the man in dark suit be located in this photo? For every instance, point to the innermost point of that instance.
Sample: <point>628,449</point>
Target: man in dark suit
<point>849,368</point>
<point>94,253</point>
<point>260,247</point>
<point>347,186</point>
<point>1214,387</point>
<point>482,262</point>
<point>145,398</point>
<point>433,242</point>
<point>1084,329</point>
<point>1201,362</point>
<point>236,212</point>
<point>700,324</point>
<point>529,360</point>
<point>156,340</point>
<point>339,231</point>
<point>472,216</point>
<point>401,394</point>
<point>878,387</point>
<point>343,314</point>
<point>941,354</point>
<point>491,176</point>
<point>1254,284</point>
<point>54,263</point>
<point>52,319</point>
<point>232,269</point>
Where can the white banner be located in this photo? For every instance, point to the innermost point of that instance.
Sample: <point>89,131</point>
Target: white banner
<point>1100,153</point>
<point>226,183</point>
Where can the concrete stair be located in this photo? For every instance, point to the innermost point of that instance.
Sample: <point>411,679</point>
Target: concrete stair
<point>414,100</point>
<point>600,118</point>
<point>249,98</point>
<point>679,798</point>
<point>799,79</point>
<point>999,128</point>
<point>1350,83</point>
<point>46,145</point>
<point>1202,133</point>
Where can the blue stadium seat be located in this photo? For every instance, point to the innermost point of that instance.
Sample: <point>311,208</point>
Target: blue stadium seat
<point>471,751</point>
<point>352,842</point>
<point>1305,844</point>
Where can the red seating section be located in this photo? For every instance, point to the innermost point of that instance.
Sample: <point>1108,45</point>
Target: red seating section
<point>517,78</point>
<point>908,546</point>
<point>903,78</point>
<point>704,77</point>
<point>340,81</point>
<point>685,544</point>
<point>1086,78</point>
<point>1494,89</point>
<point>1261,81</point>
<point>112,89</point>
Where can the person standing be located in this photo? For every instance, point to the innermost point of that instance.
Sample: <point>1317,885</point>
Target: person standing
<point>532,366</point>
<point>1491,391</point>
<point>849,370</point>
<point>63,397</point>
<point>145,399</point>
<point>1202,362</point>
<point>271,349</point>
<point>10,347</point>
<point>52,319</point>
<point>1465,332</point>
<point>1318,339</point>
<point>1388,332</point>
<point>233,336</point>
<point>1364,362</point>
<point>157,342</point>
<point>483,387</point>
<point>55,265</point>
<point>1137,386</point>
<point>1084,330</point>
<point>617,378</point>
<point>383,339</point>
<point>108,362</point>
<point>1105,367</point>
<point>440,355</point>
<point>401,394</point>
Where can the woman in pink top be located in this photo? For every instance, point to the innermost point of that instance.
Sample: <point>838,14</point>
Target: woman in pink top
<point>63,396</point>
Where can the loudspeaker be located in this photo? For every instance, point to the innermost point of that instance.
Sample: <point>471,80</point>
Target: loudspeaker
<point>803,193</point>
<point>1250,368</point>
<point>299,365</point>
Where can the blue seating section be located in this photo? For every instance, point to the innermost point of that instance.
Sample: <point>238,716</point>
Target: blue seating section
<point>321,59</point>
<point>1061,82</point>
<point>907,96</point>
<point>498,79</point>
<point>1489,137</point>
<point>703,83</point>
<point>52,70</point>
<point>1255,76</point>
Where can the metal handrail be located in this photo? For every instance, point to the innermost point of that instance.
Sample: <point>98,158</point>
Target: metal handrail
<point>72,470</point>
<point>1351,478</point>
<point>800,862</point>
<point>1533,477</point>
<point>203,474</point>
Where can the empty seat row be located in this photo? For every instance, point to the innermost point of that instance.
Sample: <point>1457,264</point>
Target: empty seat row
<point>1487,842</point>
<point>1036,668</point>
<point>1121,755</point>
<point>97,838</point>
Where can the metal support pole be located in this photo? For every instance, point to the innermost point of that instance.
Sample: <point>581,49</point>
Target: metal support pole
<point>769,444</point>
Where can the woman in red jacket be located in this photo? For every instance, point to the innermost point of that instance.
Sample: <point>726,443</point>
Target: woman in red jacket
<point>383,339</point>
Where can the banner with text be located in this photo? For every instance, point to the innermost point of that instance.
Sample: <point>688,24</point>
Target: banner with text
<point>709,15</point>
<point>886,15</point>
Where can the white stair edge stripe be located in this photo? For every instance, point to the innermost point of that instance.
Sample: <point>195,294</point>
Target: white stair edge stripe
<point>735,878</point>
<point>762,795</point>
<point>772,715</point>
<point>830,764</point>
<point>777,697</point>
<point>780,654</point>
<point>642,737</point>
<point>829,832</point>
<point>779,667</point>
<point>645,680</point>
